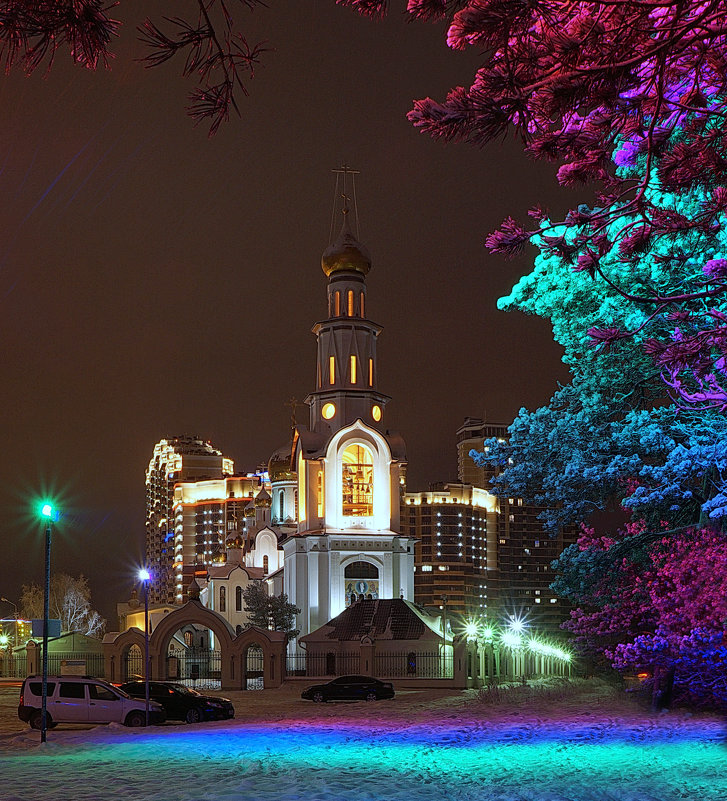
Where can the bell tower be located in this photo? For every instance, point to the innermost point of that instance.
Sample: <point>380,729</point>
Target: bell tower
<point>346,374</point>
<point>350,468</point>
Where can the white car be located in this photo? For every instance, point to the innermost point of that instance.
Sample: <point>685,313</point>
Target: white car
<point>83,699</point>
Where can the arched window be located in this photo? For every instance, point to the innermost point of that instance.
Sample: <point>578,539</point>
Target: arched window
<point>266,562</point>
<point>357,477</point>
<point>223,599</point>
<point>361,570</point>
<point>188,638</point>
<point>238,599</point>
<point>337,312</point>
<point>350,302</point>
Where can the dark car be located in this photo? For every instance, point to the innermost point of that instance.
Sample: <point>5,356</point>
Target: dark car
<point>350,688</point>
<point>182,703</point>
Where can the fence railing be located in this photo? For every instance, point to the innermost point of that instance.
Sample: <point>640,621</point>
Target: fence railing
<point>414,665</point>
<point>329,664</point>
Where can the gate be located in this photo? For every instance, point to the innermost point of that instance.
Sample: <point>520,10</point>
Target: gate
<point>134,664</point>
<point>195,667</point>
<point>254,667</point>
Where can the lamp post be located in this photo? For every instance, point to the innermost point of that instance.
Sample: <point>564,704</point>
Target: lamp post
<point>144,577</point>
<point>47,512</point>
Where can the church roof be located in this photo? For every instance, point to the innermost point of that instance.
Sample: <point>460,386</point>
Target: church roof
<point>224,571</point>
<point>382,619</point>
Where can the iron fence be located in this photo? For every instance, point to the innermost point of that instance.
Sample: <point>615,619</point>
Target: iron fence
<point>329,664</point>
<point>414,665</point>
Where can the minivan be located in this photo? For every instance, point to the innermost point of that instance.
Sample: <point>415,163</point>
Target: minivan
<point>82,699</point>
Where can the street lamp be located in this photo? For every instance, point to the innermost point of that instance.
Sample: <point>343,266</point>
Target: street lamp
<point>15,608</point>
<point>47,512</point>
<point>144,578</point>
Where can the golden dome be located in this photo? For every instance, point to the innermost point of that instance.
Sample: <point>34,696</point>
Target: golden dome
<point>279,464</point>
<point>346,254</point>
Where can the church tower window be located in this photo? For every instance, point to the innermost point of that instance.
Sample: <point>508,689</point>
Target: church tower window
<point>321,506</point>
<point>332,369</point>
<point>353,369</point>
<point>358,481</point>
<point>362,304</point>
<point>337,303</point>
<point>371,372</point>
<point>350,302</point>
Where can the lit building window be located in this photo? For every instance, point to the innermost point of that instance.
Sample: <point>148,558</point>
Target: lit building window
<point>357,475</point>
<point>362,304</point>
<point>320,493</point>
<point>376,412</point>
<point>332,369</point>
<point>371,372</point>
<point>338,304</point>
<point>353,369</point>
<point>350,302</point>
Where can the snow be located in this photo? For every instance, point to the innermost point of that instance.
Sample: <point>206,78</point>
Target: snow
<point>586,742</point>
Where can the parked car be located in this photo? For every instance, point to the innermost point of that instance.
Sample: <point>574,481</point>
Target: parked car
<point>182,703</point>
<point>82,699</point>
<point>350,688</point>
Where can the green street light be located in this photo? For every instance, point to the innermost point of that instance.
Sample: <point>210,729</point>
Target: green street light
<point>47,512</point>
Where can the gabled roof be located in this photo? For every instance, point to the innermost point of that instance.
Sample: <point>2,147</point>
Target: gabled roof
<point>382,619</point>
<point>224,571</point>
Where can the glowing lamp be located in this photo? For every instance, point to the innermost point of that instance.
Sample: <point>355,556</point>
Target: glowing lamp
<point>46,510</point>
<point>471,629</point>
<point>144,574</point>
<point>4,640</point>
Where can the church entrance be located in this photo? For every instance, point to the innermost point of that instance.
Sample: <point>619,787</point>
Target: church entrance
<point>192,658</point>
<point>361,581</point>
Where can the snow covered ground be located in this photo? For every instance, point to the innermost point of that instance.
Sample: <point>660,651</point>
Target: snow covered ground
<point>590,743</point>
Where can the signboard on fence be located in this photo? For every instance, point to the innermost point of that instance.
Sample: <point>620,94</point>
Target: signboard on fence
<point>54,627</point>
<point>73,667</point>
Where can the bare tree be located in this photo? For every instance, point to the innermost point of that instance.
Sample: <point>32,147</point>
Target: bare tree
<point>69,601</point>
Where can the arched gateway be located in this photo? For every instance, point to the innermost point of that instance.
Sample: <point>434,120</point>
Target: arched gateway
<point>233,648</point>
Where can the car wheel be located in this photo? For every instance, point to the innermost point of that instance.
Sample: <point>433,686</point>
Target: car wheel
<point>318,697</point>
<point>193,716</point>
<point>36,720</point>
<point>135,719</point>
<point>371,696</point>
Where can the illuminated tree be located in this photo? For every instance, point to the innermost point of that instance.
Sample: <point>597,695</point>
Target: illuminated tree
<point>656,603</point>
<point>599,86</point>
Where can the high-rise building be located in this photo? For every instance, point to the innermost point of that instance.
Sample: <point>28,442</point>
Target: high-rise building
<point>174,459</point>
<point>455,527</point>
<point>522,556</point>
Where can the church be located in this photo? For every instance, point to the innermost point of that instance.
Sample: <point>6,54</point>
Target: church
<point>322,523</point>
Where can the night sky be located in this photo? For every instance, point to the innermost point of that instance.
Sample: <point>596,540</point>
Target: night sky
<point>155,282</point>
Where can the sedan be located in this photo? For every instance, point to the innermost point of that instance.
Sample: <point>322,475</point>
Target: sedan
<point>350,688</point>
<point>181,703</point>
